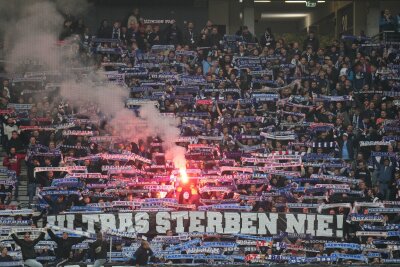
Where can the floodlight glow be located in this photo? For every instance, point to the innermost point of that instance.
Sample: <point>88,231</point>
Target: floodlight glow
<point>299,1</point>
<point>283,15</point>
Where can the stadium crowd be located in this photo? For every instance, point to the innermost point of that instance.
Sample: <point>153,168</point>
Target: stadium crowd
<point>268,126</point>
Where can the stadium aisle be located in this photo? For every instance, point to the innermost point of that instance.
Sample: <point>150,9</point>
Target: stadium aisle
<point>22,189</point>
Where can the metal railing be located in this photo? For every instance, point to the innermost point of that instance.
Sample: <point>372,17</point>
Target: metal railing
<point>386,37</point>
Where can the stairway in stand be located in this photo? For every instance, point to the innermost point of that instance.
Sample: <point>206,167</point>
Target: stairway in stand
<point>23,199</point>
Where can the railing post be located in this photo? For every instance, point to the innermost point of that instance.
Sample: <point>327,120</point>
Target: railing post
<point>110,249</point>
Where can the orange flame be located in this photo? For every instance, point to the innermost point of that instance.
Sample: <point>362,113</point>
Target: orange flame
<point>183,175</point>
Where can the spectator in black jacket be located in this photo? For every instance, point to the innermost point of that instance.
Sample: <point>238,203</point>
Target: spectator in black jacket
<point>173,34</point>
<point>267,39</point>
<point>189,36</point>
<point>311,40</point>
<point>154,37</point>
<point>67,30</point>
<point>385,178</point>
<point>59,205</point>
<point>248,37</point>
<point>64,246</point>
<point>143,254</point>
<point>15,141</point>
<point>32,181</point>
<point>28,248</point>
<point>104,30</point>
<point>215,37</point>
<point>99,250</point>
<point>5,194</point>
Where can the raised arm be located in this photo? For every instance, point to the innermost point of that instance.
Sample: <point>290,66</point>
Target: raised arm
<point>53,236</point>
<point>16,239</point>
<point>218,110</point>
<point>41,236</point>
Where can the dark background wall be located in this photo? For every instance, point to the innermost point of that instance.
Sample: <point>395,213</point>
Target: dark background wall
<point>181,10</point>
<point>322,19</point>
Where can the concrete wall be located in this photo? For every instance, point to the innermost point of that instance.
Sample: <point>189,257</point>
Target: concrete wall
<point>279,27</point>
<point>372,19</point>
<point>218,12</point>
<point>325,11</point>
<point>366,14</point>
<point>235,21</point>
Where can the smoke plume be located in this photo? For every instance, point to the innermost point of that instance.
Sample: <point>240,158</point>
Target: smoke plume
<point>31,30</point>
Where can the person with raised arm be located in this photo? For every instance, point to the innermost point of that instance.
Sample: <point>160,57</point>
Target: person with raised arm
<point>64,246</point>
<point>28,248</point>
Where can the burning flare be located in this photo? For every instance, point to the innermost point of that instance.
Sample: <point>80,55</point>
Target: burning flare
<point>183,176</point>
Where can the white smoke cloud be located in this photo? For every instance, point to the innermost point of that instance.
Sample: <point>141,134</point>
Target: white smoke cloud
<point>109,97</point>
<point>33,35</point>
<point>166,129</point>
<point>74,7</point>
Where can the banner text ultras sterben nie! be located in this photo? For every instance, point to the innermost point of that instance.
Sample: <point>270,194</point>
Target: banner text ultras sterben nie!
<point>200,221</point>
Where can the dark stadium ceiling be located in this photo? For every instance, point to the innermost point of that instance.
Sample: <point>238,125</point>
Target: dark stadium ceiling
<point>259,3</point>
<point>274,6</point>
<point>140,3</point>
<point>264,9</point>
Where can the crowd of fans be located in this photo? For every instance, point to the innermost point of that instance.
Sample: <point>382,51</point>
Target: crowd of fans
<point>265,124</point>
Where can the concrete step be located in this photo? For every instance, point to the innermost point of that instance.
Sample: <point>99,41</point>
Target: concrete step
<point>23,179</point>
<point>23,197</point>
